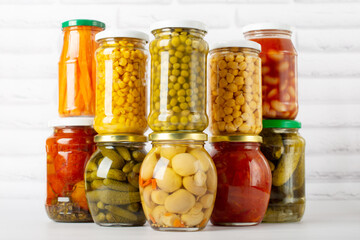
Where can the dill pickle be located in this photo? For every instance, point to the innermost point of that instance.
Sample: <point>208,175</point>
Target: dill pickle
<point>136,168</point>
<point>116,174</point>
<point>133,207</point>
<point>128,167</point>
<point>115,210</point>
<point>118,198</point>
<point>124,152</point>
<point>133,179</point>
<point>138,155</point>
<point>96,184</point>
<point>119,186</point>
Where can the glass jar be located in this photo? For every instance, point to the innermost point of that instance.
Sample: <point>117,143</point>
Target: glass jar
<point>121,83</point>
<point>244,180</point>
<point>178,182</point>
<point>235,88</point>
<point>77,68</point>
<point>112,180</point>
<point>68,150</point>
<point>284,148</point>
<point>178,77</point>
<point>279,69</point>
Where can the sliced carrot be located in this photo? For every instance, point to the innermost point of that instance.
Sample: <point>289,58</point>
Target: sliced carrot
<point>178,223</point>
<point>203,223</point>
<point>152,219</point>
<point>167,214</point>
<point>153,183</point>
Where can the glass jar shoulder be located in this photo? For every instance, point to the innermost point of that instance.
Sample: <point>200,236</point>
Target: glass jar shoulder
<point>276,44</point>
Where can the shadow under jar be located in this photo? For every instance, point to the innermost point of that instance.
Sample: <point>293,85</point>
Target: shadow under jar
<point>178,182</point>
<point>112,180</point>
<point>235,88</point>
<point>244,180</point>
<point>121,82</point>
<point>279,69</point>
<point>178,77</point>
<point>68,151</point>
<point>284,148</point>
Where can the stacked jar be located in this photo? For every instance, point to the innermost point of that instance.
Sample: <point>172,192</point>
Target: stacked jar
<point>283,146</point>
<point>178,177</point>
<point>71,145</point>
<point>244,177</point>
<point>112,174</point>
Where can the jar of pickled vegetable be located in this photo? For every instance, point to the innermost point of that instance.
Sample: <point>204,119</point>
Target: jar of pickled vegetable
<point>121,83</point>
<point>279,69</point>
<point>178,182</point>
<point>284,148</point>
<point>244,180</point>
<point>112,180</point>
<point>178,77</point>
<point>68,150</point>
<point>77,74</point>
<point>235,88</point>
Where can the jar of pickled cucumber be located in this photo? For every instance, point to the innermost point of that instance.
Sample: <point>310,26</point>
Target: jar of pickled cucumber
<point>178,182</point>
<point>235,88</point>
<point>178,77</point>
<point>121,82</point>
<point>244,180</point>
<point>279,69</point>
<point>68,151</point>
<point>284,148</point>
<point>112,180</point>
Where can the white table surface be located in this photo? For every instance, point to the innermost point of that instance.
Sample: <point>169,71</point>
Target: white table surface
<point>26,219</point>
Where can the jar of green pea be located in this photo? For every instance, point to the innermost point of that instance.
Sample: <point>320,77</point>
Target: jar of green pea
<point>178,76</point>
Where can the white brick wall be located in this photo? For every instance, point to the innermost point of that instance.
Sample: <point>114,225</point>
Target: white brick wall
<point>327,38</point>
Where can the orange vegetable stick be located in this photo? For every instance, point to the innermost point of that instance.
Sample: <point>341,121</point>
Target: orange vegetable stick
<point>153,183</point>
<point>152,219</point>
<point>203,222</point>
<point>178,223</point>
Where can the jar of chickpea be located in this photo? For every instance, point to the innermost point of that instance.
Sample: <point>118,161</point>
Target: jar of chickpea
<point>121,62</point>
<point>178,77</point>
<point>235,88</point>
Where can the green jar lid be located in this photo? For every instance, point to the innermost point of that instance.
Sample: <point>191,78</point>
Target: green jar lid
<point>83,22</point>
<point>280,123</point>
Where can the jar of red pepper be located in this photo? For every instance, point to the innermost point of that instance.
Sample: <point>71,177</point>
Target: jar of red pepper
<point>68,151</point>
<point>244,180</point>
<point>279,69</point>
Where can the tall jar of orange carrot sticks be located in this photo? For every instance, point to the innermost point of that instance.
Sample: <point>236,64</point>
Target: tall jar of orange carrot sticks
<point>77,73</point>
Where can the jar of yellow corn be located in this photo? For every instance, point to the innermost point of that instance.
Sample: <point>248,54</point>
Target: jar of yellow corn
<point>121,62</point>
<point>178,76</point>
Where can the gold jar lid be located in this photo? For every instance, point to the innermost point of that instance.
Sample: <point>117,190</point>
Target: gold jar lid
<point>236,138</point>
<point>164,136</point>
<point>120,138</point>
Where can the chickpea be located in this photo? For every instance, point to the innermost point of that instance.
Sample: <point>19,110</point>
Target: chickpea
<point>235,91</point>
<point>181,54</point>
<point>121,103</point>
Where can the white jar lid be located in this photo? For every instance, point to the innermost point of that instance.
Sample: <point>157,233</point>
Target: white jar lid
<point>266,26</point>
<point>122,34</point>
<point>236,43</point>
<point>71,122</point>
<point>179,24</point>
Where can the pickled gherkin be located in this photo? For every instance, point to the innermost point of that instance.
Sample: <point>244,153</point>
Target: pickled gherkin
<point>112,183</point>
<point>285,148</point>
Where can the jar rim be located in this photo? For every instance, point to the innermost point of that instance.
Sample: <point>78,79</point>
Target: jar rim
<point>179,23</point>
<point>266,26</point>
<point>71,122</point>
<point>180,136</point>
<point>118,138</point>
<point>236,138</point>
<point>128,33</point>
<point>83,22</point>
<point>236,44</point>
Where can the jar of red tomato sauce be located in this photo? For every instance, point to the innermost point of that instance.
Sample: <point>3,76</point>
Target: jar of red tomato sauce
<point>279,69</point>
<point>244,180</point>
<point>68,151</point>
